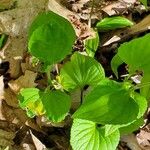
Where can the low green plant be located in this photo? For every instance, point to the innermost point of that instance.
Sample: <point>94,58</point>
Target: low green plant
<point>110,108</point>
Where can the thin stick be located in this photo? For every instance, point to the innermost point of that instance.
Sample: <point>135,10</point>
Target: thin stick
<point>92,8</point>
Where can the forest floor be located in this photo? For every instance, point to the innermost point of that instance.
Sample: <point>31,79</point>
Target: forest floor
<point>17,130</point>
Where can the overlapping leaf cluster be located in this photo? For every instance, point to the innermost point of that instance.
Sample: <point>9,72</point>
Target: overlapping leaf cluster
<point>110,108</point>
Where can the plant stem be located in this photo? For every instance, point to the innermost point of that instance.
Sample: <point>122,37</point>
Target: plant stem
<point>141,85</point>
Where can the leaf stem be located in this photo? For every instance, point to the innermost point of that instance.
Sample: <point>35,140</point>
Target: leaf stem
<point>141,85</point>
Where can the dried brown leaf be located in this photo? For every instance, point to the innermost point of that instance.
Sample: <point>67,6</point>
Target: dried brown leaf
<point>24,81</point>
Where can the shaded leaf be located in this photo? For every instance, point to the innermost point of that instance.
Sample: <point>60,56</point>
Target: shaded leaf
<point>85,135</point>
<point>80,71</point>
<point>56,105</point>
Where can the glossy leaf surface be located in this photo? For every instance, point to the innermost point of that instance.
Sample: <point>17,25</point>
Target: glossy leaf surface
<point>80,71</point>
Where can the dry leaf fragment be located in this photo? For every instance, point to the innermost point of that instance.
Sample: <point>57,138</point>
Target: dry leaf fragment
<point>38,144</point>
<point>24,81</point>
<point>10,98</point>
<point>1,87</point>
<point>6,135</point>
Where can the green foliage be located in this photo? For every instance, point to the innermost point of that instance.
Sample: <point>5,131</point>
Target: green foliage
<point>50,37</point>
<point>131,127</point>
<point>136,54</point>
<point>80,71</point>
<point>144,2</point>
<point>56,105</point>
<point>110,107</point>
<point>3,39</point>
<point>91,44</point>
<point>99,105</point>
<point>86,135</point>
<point>30,100</point>
<point>112,23</point>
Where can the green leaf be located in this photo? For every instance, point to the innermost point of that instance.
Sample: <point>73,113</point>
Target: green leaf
<point>131,127</point>
<point>115,63</point>
<point>51,37</point>
<point>29,99</point>
<point>80,71</point>
<point>109,103</point>
<point>85,135</point>
<point>112,23</point>
<point>56,105</point>
<point>144,2</point>
<point>136,55</point>
<point>91,44</point>
<point>3,39</point>
<point>142,103</point>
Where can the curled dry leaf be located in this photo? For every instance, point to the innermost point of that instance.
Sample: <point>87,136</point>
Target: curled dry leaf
<point>24,81</point>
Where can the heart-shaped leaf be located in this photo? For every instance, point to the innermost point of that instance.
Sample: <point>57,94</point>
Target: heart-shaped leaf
<point>85,135</point>
<point>107,104</point>
<point>80,71</point>
<point>50,37</point>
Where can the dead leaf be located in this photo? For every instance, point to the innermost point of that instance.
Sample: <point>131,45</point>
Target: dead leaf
<point>10,98</point>
<point>24,81</point>
<point>144,139</point>
<point>1,87</point>
<point>131,141</point>
<point>38,144</point>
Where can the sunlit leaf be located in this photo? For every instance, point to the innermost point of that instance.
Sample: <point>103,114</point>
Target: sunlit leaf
<point>80,71</point>
<point>30,100</point>
<point>112,23</point>
<point>110,103</point>
<point>86,135</point>
<point>51,37</point>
